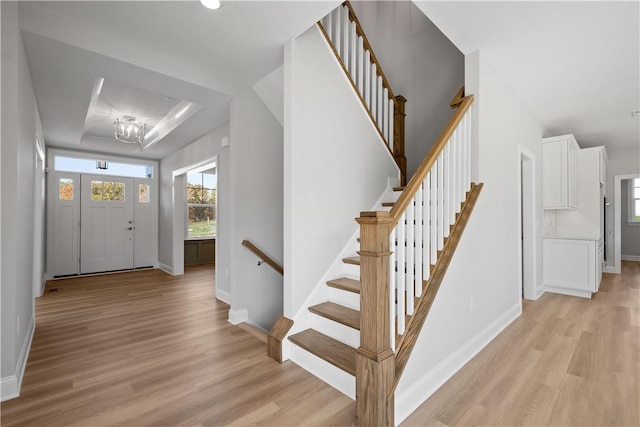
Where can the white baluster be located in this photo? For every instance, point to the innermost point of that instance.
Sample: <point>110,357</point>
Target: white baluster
<point>392,107</point>
<point>434,212</point>
<point>402,277</point>
<point>426,229</point>
<point>353,41</point>
<point>360,64</point>
<point>447,189</point>
<point>385,115</point>
<point>410,255</point>
<point>367,79</point>
<point>459,167</point>
<point>380,93</point>
<point>451,195</point>
<point>440,215</point>
<point>468,149</point>
<point>455,180</point>
<point>337,40</point>
<point>374,91</point>
<point>419,239</point>
<point>392,287</point>
<point>345,37</point>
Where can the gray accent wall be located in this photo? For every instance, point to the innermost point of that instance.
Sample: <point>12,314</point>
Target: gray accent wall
<point>420,63</point>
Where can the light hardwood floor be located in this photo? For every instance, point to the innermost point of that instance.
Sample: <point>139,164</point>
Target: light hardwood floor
<point>565,361</point>
<point>146,348</point>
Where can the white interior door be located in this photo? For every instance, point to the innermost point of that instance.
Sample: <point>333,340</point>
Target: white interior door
<point>106,218</point>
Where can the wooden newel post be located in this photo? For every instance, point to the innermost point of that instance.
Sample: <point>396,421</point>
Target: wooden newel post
<point>375,361</point>
<point>398,138</point>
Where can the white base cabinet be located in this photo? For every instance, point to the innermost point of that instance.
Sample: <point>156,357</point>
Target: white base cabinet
<point>572,266</point>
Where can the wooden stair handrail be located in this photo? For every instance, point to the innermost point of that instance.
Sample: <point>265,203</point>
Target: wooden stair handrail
<point>264,257</point>
<point>418,177</point>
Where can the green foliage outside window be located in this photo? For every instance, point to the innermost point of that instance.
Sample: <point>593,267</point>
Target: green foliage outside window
<point>201,201</point>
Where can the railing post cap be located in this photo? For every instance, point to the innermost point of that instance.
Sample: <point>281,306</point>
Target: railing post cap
<point>377,217</point>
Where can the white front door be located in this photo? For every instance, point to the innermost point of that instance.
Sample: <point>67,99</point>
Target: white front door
<point>106,218</point>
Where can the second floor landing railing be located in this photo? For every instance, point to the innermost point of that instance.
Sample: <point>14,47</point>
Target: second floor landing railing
<point>351,46</point>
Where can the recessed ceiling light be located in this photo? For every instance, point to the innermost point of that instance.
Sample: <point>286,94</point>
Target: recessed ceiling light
<point>211,4</point>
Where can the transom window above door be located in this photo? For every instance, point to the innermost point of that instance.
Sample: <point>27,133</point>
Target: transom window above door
<point>97,166</point>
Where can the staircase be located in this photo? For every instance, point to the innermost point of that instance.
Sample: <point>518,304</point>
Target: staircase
<point>380,296</point>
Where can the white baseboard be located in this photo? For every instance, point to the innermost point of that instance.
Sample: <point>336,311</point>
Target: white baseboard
<point>165,268</point>
<point>410,399</point>
<point>630,257</point>
<point>538,292</point>
<point>609,269</point>
<point>223,296</point>
<point>238,316</point>
<point>10,386</point>
<point>570,292</point>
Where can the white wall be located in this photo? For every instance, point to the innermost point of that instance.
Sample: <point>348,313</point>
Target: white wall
<point>204,148</point>
<point>20,121</point>
<point>480,294</point>
<point>420,63</point>
<point>336,164</point>
<point>622,161</point>
<point>257,215</point>
<point>629,234</point>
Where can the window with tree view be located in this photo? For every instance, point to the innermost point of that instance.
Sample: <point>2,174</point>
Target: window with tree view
<point>201,204</point>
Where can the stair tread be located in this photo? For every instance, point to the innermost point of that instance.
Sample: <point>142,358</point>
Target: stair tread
<point>355,260</point>
<point>398,188</point>
<point>346,284</point>
<point>338,313</point>
<point>333,351</point>
<point>388,204</point>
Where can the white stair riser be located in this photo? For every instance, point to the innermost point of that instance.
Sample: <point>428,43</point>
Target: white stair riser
<point>335,377</point>
<point>337,330</point>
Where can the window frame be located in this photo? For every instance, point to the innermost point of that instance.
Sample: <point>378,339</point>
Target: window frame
<point>633,217</point>
<point>188,205</point>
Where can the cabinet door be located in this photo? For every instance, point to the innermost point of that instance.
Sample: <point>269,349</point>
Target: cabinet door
<point>603,172</point>
<point>569,264</point>
<point>572,174</point>
<point>554,165</point>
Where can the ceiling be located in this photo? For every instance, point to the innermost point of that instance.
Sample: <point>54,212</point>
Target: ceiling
<point>574,64</point>
<point>241,43</point>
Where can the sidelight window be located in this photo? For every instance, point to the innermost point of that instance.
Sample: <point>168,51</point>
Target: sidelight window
<point>65,189</point>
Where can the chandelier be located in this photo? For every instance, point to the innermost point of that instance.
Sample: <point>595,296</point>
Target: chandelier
<point>128,130</point>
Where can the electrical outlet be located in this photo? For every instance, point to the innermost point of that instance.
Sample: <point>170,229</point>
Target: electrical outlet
<point>18,325</point>
<point>470,303</point>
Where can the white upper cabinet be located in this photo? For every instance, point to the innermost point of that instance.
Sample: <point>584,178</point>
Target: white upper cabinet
<point>560,172</point>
